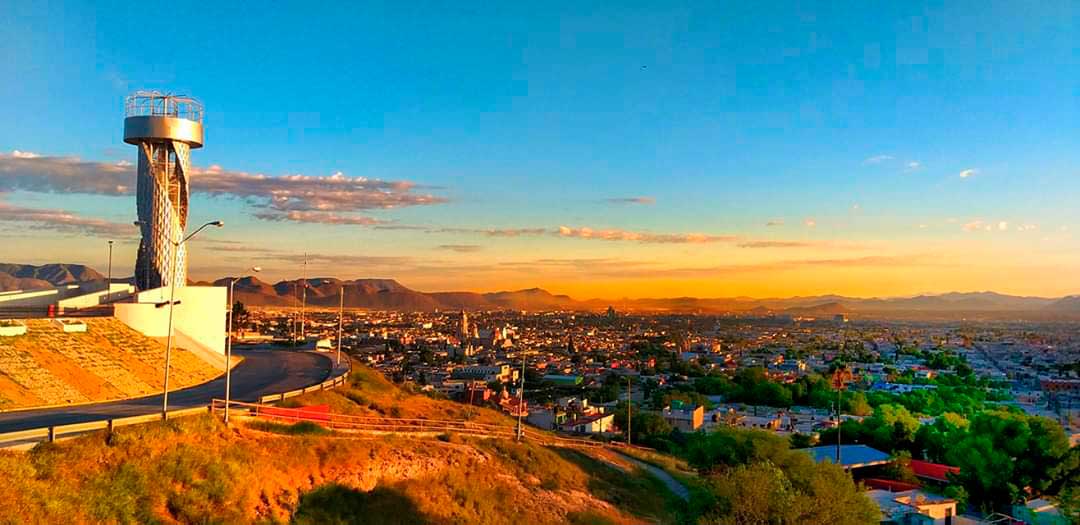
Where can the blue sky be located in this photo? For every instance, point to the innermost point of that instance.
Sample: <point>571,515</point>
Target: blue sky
<point>724,116</point>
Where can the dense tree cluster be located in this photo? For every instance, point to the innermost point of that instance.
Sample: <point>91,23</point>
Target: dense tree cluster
<point>1004,456</point>
<point>753,477</point>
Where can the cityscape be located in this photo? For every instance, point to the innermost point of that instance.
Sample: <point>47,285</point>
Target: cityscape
<point>693,263</point>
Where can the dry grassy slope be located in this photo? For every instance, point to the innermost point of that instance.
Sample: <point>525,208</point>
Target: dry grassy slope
<point>197,471</point>
<point>109,361</point>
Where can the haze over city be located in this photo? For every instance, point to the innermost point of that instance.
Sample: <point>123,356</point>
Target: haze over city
<point>688,150</point>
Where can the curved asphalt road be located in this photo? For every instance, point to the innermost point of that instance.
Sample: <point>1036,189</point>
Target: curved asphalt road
<point>261,372</point>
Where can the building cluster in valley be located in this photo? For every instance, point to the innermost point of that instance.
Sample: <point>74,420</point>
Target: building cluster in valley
<point>579,369</point>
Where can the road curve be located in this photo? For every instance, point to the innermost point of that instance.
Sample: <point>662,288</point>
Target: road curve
<point>262,372</point>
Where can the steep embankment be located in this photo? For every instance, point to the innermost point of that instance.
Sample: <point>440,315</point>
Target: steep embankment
<point>197,471</point>
<point>47,366</point>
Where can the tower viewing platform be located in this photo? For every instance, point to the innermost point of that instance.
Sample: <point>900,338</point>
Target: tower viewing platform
<point>156,116</point>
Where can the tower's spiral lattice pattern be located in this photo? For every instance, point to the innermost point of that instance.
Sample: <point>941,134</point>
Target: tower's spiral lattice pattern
<point>165,128</point>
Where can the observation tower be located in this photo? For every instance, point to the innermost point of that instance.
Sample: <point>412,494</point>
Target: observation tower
<point>165,128</point>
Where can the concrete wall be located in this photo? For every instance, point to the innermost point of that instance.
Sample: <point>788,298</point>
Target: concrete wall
<point>71,296</point>
<point>115,292</point>
<point>200,315</point>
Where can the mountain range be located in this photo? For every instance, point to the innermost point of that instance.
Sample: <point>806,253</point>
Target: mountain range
<point>388,294</point>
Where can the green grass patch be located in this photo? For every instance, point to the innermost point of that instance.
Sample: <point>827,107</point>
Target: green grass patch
<point>303,428</point>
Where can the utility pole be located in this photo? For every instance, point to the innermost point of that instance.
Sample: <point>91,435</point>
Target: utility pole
<point>838,382</point>
<point>521,398</point>
<point>340,317</point>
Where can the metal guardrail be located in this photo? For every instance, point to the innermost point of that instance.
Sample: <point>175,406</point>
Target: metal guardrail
<point>25,439</point>
<point>331,383</point>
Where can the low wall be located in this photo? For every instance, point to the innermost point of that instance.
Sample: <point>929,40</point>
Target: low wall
<point>200,314</point>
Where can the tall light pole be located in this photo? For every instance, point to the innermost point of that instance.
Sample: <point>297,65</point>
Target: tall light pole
<point>303,302</point>
<point>228,343</point>
<point>172,305</point>
<point>340,319</point>
<point>108,280</point>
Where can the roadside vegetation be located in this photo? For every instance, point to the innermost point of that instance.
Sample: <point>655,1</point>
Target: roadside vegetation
<point>197,470</point>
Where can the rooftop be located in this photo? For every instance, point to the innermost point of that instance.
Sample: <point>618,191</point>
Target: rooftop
<point>851,456</point>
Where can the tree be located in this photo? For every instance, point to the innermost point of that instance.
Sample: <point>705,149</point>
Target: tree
<point>766,493</point>
<point>858,405</point>
<point>240,316</point>
<point>750,495</point>
<point>1005,455</point>
<point>900,468</point>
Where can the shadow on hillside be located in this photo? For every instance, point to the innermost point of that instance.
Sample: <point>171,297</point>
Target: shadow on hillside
<point>612,485</point>
<point>340,505</point>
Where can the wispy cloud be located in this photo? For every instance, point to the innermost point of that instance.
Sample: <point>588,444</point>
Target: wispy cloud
<point>810,222</point>
<point>65,222</point>
<point>487,232</point>
<point>274,194</point>
<point>460,248</point>
<point>775,222</point>
<point>776,244</point>
<point>319,217</point>
<point>913,166</point>
<point>877,159</point>
<point>970,172</point>
<point>632,200</point>
<point>642,237</point>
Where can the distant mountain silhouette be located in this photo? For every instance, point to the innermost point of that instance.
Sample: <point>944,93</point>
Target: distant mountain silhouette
<point>1070,304</point>
<point>830,308</point>
<point>30,277</point>
<point>388,294</point>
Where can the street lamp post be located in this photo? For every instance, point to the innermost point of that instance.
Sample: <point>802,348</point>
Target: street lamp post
<point>340,319</point>
<point>172,305</point>
<point>108,280</point>
<point>228,343</point>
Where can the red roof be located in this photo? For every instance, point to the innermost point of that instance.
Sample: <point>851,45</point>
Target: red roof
<point>934,471</point>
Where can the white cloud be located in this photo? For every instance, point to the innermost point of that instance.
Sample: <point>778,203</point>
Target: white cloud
<point>976,225</point>
<point>913,166</point>
<point>274,194</point>
<point>877,159</point>
<point>970,172</point>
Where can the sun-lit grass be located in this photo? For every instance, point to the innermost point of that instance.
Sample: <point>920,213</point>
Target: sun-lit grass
<point>197,470</point>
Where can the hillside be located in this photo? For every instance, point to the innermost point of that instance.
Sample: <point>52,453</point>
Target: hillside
<point>109,361</point>
<point>197,470</point>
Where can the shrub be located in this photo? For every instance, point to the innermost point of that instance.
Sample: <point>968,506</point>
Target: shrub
<point>303,428</point>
